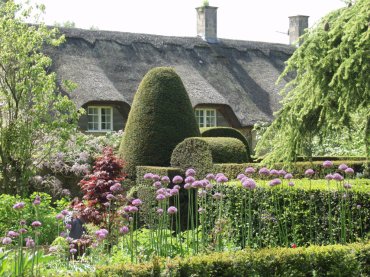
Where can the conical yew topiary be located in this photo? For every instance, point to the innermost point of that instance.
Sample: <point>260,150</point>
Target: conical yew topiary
<point>161,116</point>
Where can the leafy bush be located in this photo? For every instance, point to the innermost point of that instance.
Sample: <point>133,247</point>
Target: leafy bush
<point>161,116</point>
<point>226,132</point>
<point>338,260</point>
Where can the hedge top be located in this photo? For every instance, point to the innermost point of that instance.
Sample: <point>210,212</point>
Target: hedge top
<point>161,116</point>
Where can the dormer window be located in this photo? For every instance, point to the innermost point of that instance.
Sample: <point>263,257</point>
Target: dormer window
<point>100,118</point>
<point>206,117</point>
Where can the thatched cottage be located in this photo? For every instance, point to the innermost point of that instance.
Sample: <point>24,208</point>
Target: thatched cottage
<point>230,82</point>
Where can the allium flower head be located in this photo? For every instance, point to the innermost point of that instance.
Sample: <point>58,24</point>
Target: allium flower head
<point>187,186</point>
<point>275,182</point>
<point>148,176</point>
<point>337,177</point>
<point>291,184</point>
<point>190,172</point>
<point>156,177</point>
<point>288,176</point>
<point>13,234</point>
<point>250,170</point>
<point>349,170</point>
<point>281,172</point>
<point>222,179</point>
<point>157,184</point>
<point>37,200</point>
<point>264,171</point>
<point>174,191</point>
<point>202,193</point>
<point>36,224</point>
<point>73,251</point>
<point>189,179</point>
<point>217,196</point>
<point>274,172</point>
<point>309,172</point>
<point>116,187</point>
<point>68,226</point>
<point>347,186</point>
<point>22,231</point>
<point>64,212</point>
<point>6,240</point>
<point>327,164</point>
<point>159,211</point>
<point>22,222</point>
<point>19,205</point>
<point>177,179</point>
<point>249,184</point>
<point>358,206</point>
<point>196,184</point>
<point>342,167</point>
<point>160,197</point>
<point>136,202</point>
<point>101,234</point>
<point>177,187</point>
<point>110,197</point>
<point>165,180</point>
<point>240,176</point>
<point>209,186</point>
<point>30,243</point>
<point>329,177</point>
<point>210,177</point>
<point>133,209</point>
<point>124,230</point>
<point>172,210</point>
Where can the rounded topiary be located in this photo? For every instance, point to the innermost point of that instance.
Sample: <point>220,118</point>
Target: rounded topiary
<point>227,150</point>
<point>226,132</point>
<point>161,116</point>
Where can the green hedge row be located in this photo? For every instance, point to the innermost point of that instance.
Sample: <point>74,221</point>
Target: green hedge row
<point>297,169</point>
<point>337,260</point>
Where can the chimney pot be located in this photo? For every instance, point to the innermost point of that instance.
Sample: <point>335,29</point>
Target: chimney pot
<point>297,26</point>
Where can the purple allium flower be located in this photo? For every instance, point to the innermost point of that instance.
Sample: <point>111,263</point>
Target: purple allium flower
<point>177,179</point>
<point>189,179</point>
<point>30,242</point>
<point>19,205</point>
<point>177,187</point>
<point>13,234</point>
<point>165,180</point>
<point>161,191</point>
<point>282,172</point>
<point>6,240</point>
<point>73,251</point>
<point>157,184</point>
<point>69,239</point>
<point>342,167</point>
<point>148,176</point>
<point>240,176</point>
<point>196,184</point>
<point>250,170</point>
<point>190,172</point>
<point>288,176</point>
<point>274,172</point>
<point>291,184</point>
<point>172,210</point>
<point>358,206</point>
<point>264,171</point>
<point>201,210</point>
<point>36,224</point>
<point>160,197</point>
<point>72,245</point>
<point>64,212</point>
<point>63,234</point>
<point>222,179</point>
<point>347,186</point>
<point>337,177</point>
<point>130,219</point>
<point>22,222</point>
<point>110,197</point>
<point>68,226</point>
<point>53,249</point>
<point>187,186</point>
<point>126,209</point>
<point>137,202</point>
<point>101,234</point>
<point>202,193</point>
<point>116,187</point>
<point>217,196</point>
<point>309,172</point>
<point>209,186</point>
<point>249,183</point>
<point>37,200</point>
<point>156,177</point>
<point>327,164</point>
<point>22,231</point>
<point>133,209</point>
<point>275,182</point>
<point>59,216</point>
<point>124,230</point>
<point>160,211</point>
<point>210,177</point>
<point>329,177</point>
<point>349,170</point>
<point>174,192</point>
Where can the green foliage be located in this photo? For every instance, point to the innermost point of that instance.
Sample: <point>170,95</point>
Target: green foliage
<point>34,118</point>
<point>331,85</point>
<point>161,116</point>
<point>226,132</point>
<point>193,153</point>
<point>339,260</point>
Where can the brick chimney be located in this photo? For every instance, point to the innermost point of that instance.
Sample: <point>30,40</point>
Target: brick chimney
<point>207,23</point>
<point>297,25</point>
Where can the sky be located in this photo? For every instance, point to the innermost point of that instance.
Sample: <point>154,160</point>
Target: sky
<point>258,20</point>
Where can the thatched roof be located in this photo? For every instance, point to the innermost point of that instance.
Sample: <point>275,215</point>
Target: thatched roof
<point>108,66</point>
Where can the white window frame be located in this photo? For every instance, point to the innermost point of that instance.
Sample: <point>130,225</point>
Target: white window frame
<point>100,119</point>
<point>204,117</point>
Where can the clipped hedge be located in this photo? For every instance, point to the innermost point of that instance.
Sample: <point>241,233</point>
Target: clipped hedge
<point>200,153</point>
<point>226,132</point>
<point>161,116</point>
<point>336,260</point>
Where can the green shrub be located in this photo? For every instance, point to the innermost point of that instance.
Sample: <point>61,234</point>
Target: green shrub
<point>337,260</point>
<point>226,132</point>
<point>161,116</point>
